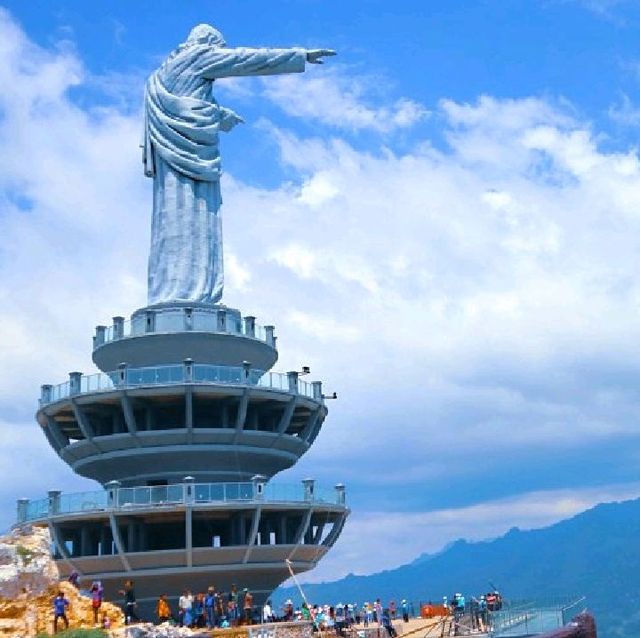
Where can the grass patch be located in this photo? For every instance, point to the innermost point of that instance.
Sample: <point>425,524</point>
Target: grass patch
<point>77,633</point>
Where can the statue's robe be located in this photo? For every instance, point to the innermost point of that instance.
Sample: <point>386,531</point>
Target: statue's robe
<point>180,152</point>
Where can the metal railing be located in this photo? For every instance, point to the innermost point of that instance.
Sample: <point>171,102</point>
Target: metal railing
<point>183,320</point>
<point>526,618</point>
<point>192,373</point>
<point>118,498</point>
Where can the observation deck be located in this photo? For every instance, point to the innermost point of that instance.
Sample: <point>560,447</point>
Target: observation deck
<point>164,536</point>
<point>161,423</point>
<point>172,332</point>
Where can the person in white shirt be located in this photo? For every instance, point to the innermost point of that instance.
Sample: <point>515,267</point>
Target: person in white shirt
<point>185,604</point>
<point>267,612</point>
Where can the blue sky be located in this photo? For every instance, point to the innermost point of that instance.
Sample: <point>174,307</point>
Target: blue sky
<point>443,222</point>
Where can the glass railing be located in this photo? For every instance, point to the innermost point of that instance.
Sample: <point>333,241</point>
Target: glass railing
<point>37,509</point>
<point>198,321</point>
<point>82,502</point>
<point>533,617</point>
<point>177,494</point>
<point>173,375</point>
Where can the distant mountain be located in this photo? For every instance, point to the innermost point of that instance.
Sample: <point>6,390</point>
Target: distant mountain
<point>594,554</point>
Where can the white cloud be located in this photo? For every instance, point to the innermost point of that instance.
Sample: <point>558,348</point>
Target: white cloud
<point>625,112</point>
<point>487,289</point>
<point>368,536</point>
<point>335,97</point>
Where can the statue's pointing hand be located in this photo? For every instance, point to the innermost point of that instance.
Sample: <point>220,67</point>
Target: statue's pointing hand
<point>228,119</point>
<point>314,55</point>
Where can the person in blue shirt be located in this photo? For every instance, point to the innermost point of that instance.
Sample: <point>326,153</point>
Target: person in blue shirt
<point>210,608</point>
<point>199,617</point>
<point>60,605</point>
<point>387,624</point>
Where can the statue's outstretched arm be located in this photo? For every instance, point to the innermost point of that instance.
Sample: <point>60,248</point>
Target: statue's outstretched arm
<point>223,63</point>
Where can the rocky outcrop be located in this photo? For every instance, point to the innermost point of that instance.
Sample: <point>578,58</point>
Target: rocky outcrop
<point>270,630</point>
<point>29,580</point>
<point>147,630</point>
<point>25,563</point>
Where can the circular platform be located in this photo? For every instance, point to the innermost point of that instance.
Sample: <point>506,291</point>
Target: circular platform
<point>170,333</point>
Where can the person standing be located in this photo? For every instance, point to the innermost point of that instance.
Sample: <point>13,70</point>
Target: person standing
<point>97,593</point>
<point>185,605</point>
<point>482,614</point>
<point>405,610</point>
<point>199,616</point>
<point>163,611</point>
<point>267,612</point>
<point>387,624</point>
<point>210,607</point>
<point>60,606</point>
<point>130,604</point>
<point>232,606</point>
<point>248,606</point>
<point>377,611</point>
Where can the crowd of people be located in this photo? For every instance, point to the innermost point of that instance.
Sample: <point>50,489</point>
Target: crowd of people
<point>210,609</point>
<point>341,617</point>
<point>477,609</point>
<point>218,609</point>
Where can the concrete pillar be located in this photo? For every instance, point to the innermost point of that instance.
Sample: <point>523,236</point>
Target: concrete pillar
<point>188,489</point>
<point>131,537</point>
<point>75,382</point>
<point>85,541</point>
<point>340,494</point>
<point>250,326</point>
<point>22,506</point>
<point>112,488</point>
<point>121,378</point>
<point>150,321</point>
<point>105,547</point>
<point>101,336</point>
<point>225,415</point>
<point>187,319</point>
<point>246,370</point>
<point>292,378</point>
<point>259,481</point>
<point>142,539</point>
<point>316,387</point>
<point>221,317</point>
<point>45,393</point>
<point>269,338</point>
<point>283,530</point>
<point>54,502</point>
<point>118,328</point>
<point>309,488</point>
<point>188,370</point>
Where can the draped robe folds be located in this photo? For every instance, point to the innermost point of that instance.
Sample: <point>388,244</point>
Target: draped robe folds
<point>180,152</point>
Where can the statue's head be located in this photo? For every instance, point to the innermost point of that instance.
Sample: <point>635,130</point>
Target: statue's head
<point>206,34</point>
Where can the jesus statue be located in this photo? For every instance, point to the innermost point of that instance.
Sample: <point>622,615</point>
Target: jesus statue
<point>180,152</point>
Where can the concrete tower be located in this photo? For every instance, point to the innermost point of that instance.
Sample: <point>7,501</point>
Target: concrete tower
<point>184,428</point>
<point>186,424</point>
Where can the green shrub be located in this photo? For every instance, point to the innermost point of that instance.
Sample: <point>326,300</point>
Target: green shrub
<point>25,554</point>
